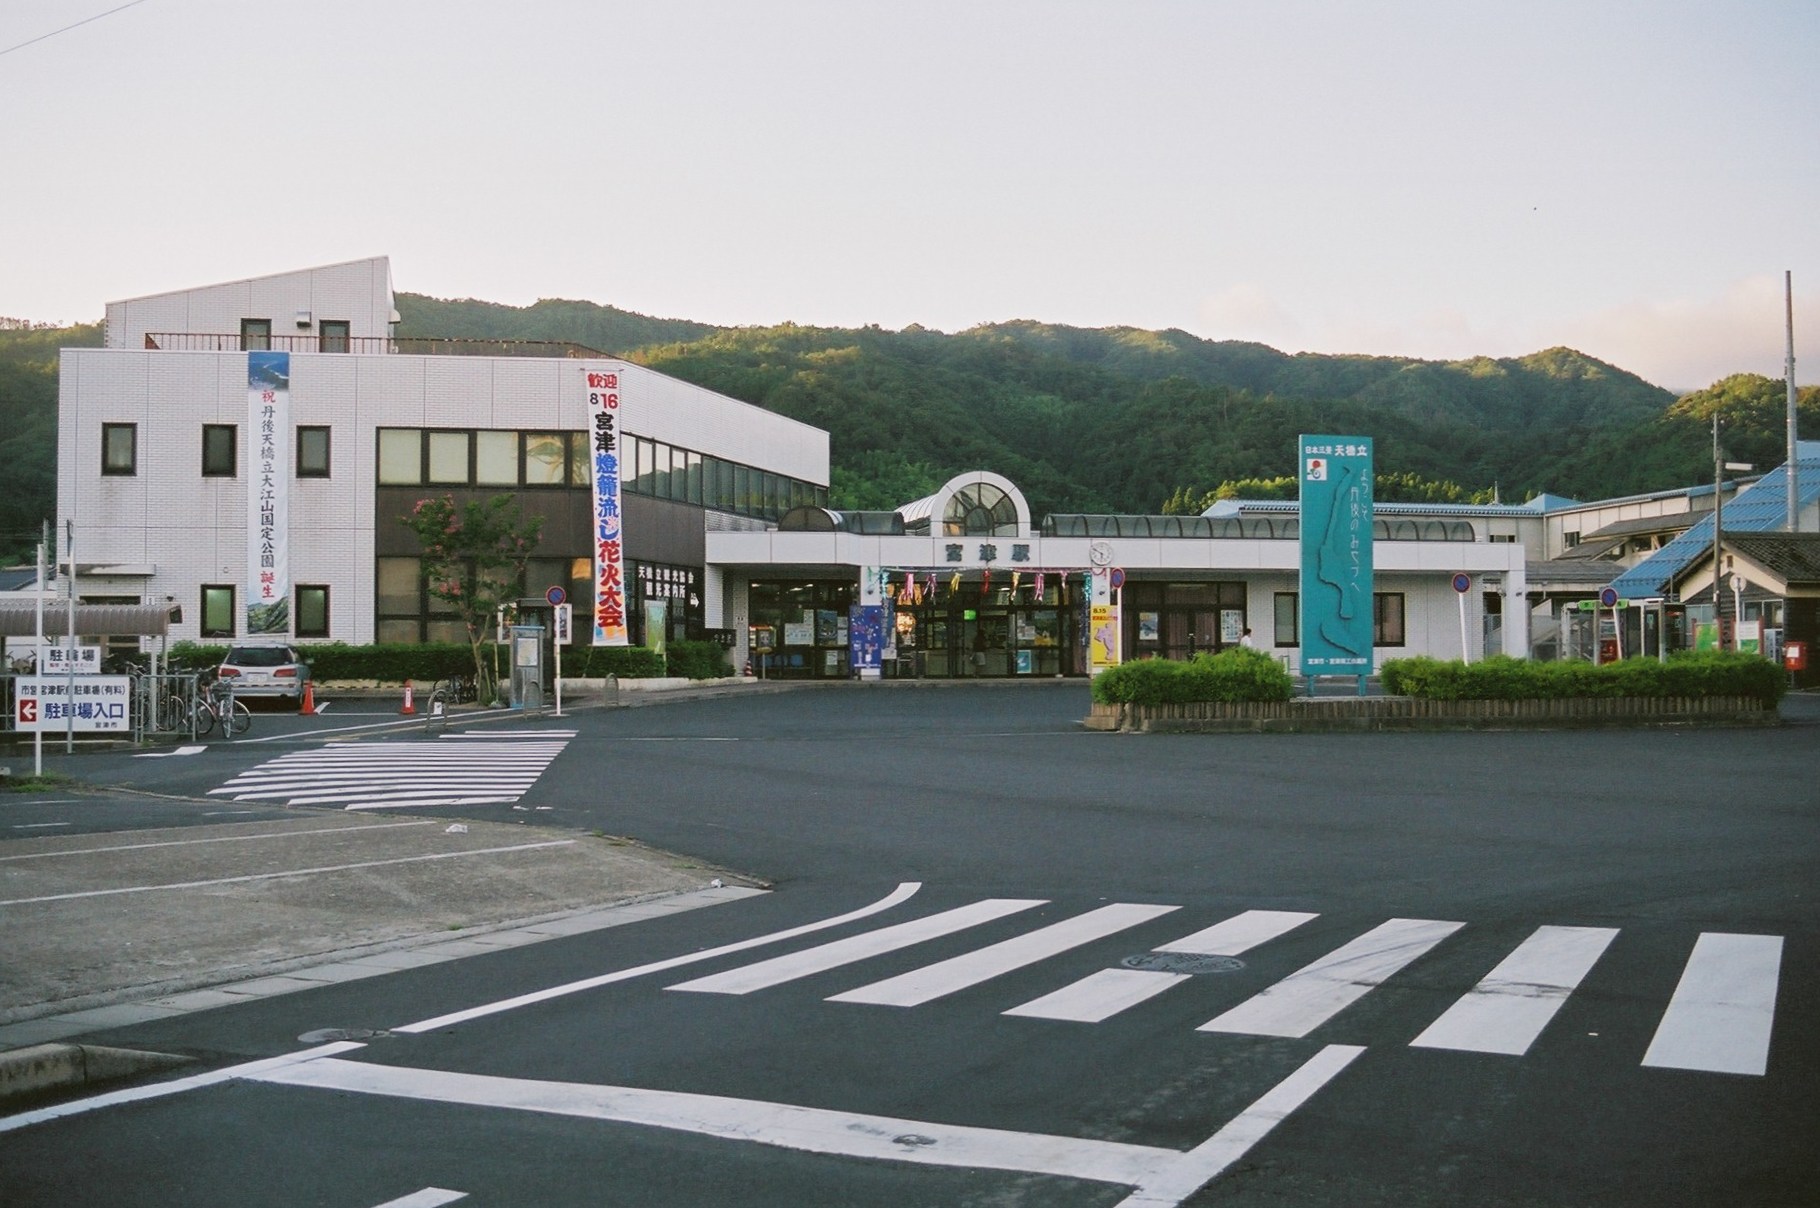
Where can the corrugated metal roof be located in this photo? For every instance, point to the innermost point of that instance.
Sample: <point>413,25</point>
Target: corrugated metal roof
<point>1761,508</point>
<point>92,620</point>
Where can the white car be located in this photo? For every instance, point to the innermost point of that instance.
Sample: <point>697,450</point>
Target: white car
<point>276,671</point>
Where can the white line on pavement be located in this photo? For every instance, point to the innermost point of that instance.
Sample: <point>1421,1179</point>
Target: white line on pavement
<point>1099,996</point>
<point>429,1197</point>
<point>969,969</point>
<point>1506,1011</point>
<point>780,969</point>
<point>288,873</point>
<point>1311,996</point>
<point>1721,1014</point>
<point>1239,933</point>
<point>293,834</point>
<point>901,894</point>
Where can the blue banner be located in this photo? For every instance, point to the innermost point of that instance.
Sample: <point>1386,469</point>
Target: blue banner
<point>1336,588</point>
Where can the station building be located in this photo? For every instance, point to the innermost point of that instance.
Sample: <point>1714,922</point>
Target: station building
<point>173,480</point>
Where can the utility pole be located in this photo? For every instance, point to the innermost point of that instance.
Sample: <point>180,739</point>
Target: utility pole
<point>1794,495</point>
<point>1718,533</point>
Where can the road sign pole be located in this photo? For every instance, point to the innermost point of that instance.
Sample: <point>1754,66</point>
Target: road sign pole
<point>1462,583</point>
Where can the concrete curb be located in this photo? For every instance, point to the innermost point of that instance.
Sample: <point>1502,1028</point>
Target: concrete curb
<point>25,1073</point>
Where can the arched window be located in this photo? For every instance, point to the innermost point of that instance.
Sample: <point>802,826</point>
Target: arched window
<point>980,509</point>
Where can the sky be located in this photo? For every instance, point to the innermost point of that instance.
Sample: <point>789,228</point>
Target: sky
<point>1436,180</point>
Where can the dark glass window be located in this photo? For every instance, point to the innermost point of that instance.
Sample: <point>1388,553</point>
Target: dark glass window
<point>1387,619</point>
<point>255,335</point>
<point>218,610</point>
<point>220,450</point>
<point>119,448</point>
<point>312,611</point>
<point>312,452</point>
<point>332,335</point>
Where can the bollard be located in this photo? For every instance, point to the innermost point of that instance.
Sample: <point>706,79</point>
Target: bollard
<point>610,693</point>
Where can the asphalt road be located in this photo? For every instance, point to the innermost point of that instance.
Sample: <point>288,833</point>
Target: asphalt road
<point>1491,968</point>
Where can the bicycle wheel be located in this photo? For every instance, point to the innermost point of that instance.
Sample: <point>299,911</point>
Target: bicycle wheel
<point>172,716</point>
<point>202,718</point>
<point>236,718</point>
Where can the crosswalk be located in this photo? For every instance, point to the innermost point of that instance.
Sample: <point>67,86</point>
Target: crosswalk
<point>1718,1020</point>
<point>456,769</point>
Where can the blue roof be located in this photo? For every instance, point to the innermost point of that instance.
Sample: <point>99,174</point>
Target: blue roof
<point>1760,508</point>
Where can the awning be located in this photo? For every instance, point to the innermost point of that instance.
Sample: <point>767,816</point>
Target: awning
<point>19,620</point>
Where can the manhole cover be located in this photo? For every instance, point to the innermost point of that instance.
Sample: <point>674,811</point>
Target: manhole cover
<point>328,1035</point>
<point>1182,962</point>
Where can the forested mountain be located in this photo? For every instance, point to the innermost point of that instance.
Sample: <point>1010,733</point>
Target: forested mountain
<point>28,426</point>
<point>1108,419</point>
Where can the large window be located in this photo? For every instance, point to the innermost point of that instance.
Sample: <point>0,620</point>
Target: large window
<point>398,600</point>
<point>218,610</point>
<point>255,335</point>
<point>1288,619</point>
<point>119,448</point>
<point>220,450</point>
<point>312,452</point>
<point>312,611</point>
<point>332,335</point>
<point>449,457</point>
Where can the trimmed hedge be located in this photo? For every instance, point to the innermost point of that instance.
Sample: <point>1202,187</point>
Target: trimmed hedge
<point>1231,675</point>
<point>428,662</point>
<point>1505,678</point>
<point>699,660</point>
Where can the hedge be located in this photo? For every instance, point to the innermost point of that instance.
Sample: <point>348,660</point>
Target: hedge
<point>1231,675</point>
<point>1504,678</point>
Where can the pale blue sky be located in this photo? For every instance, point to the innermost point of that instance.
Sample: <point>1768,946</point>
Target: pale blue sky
<point>1425,179</point>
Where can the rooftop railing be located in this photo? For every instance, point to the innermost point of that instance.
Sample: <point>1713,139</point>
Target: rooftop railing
<point>191,341</point>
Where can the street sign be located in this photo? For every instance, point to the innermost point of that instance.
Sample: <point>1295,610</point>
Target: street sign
<point>565,620</point>
<point>556,596</point>
<point>1462,583</point>
<point>1608,597</point>
<point>93,703</point>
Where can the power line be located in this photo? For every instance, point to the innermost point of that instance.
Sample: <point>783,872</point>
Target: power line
<point>41,37</point>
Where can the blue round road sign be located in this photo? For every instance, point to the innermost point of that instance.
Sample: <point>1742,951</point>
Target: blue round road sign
<point>1609,597</point>
<point>1462,583</point>
<point>555,596</point>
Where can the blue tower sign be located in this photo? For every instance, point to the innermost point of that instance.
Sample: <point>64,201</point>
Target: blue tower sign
<point>1336,586</point>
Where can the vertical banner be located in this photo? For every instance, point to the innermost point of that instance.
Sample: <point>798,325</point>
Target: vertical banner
<point>609,550</point>
<point>1103,623</point>
<point>268,597</point>
<point>866,639</point>
<point>1336,586</point>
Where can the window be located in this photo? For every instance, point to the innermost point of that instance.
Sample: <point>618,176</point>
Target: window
<point>312,611</point>
<point>312,452</point>
<point>495,458</point>
<point>400,456</point>
<point>449,456</point>
<point>398,600</point>
<point>1387,619</point>
<point>220,450</point>
<point>255,335</point>
<point>332,335</point>
<point>1288,620</point>
<point>119,448</point>
<point>217,610</point>
<point>546,459</point>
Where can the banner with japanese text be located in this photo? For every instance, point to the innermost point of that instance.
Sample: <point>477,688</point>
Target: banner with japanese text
<point>1336,585</point>
<point>268,596</point>
<point>609,550</point>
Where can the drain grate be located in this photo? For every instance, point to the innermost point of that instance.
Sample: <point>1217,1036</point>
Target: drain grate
<point>1182,962</point>
<point>328,1035</point>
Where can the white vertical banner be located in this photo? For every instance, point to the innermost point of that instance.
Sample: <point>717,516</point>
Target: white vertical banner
<point>605,440</point>
<point>268,594</point>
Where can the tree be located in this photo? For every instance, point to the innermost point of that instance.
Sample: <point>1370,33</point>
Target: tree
<point>474,557</point>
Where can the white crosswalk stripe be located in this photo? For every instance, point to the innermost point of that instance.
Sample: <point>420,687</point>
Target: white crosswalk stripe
<point>465,769</point>
<point>1719,1019</point>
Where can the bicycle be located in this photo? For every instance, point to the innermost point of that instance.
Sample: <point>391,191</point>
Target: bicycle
<point>455,690</point>
<point>215,704</point>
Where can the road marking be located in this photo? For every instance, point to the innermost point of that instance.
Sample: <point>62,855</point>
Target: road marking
<point>789,967</point>
<point>901,894</point>
<point>1311,996</point>
<point>34,826</point>
<point>285,875</point>
<point>178,1086</point>
<point>1239,933</point>
<point>1162,1178</point>
<point>1506,1011</point>
<point>969,969</point>
<point>429,1197</point>
<point>183,750</point>
<point>296,834</point>
<point>470,769</point>
<point>1099,996</point>
<point>1720,1016</point>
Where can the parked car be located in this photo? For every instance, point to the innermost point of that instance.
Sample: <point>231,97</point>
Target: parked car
<point>276,671</point>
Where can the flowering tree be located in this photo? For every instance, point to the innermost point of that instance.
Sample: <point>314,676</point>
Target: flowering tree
<point>474,555</point>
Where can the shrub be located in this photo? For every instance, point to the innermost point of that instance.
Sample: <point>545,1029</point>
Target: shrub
<point>1505,678</point>
<point>598,662</point>
<point>698,660</point>
<point>1230,676</point>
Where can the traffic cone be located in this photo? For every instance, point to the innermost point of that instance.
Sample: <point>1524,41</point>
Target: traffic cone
<point>748,668</point>
<point>308,707</point>
<point>410,704</point>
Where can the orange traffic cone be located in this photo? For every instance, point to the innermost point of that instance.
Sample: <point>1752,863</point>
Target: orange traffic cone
<point>308,707</point>
<point>410,704</point>
<point>748,668</point>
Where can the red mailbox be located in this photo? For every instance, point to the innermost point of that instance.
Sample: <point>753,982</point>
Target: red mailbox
<point>1794,656</point>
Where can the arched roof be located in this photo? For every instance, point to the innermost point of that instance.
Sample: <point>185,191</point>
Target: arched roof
<point>977,503</point>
